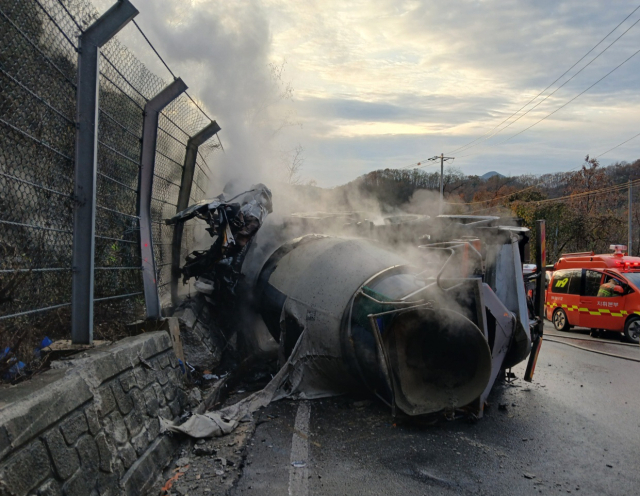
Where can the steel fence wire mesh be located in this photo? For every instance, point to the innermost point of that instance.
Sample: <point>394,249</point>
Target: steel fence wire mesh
<point>38,65</point>
<point>37,131</point>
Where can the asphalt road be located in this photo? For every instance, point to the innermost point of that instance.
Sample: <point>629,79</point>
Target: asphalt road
<point>575,429</point>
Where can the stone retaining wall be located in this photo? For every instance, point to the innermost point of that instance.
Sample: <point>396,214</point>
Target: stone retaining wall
<point>90,425</point>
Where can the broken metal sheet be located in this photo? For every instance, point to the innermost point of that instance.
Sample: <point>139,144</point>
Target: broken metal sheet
<point>233,226</point>
<point>255,202</point>
<point>219,423</point>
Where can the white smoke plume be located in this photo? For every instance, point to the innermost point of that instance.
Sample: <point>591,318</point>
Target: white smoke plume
<point>222,50</point>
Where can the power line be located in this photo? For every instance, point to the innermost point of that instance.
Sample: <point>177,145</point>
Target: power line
<point>618,146</point>
<point>557,79</point>
<point>608,189</point>
<point>558,88</point>
<point>574,98</point>
<point>563,105</point>
<point>421,165</point>
<point>417,165</point>
<point>497,197</point>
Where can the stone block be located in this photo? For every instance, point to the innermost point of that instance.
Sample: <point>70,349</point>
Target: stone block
<point>163,360</point>
<point>144,376</point>
<point>161,376</point>
<point>140,442</point>
<point>33,408</point>
<point>119,468</point>
<point>173,360</point>
<point>151,402</point>
<point>159,394</point>
<point>74,427</point>
<point>88,452</point>
<point>125,404</point>
<point>107,485</point>
<point>170,392</point>
<point>117,358</point>
<point>81,484</point>
<point>26,469</point>
<point>92,420</point>
<point>142,475</point>
<point>175,376</point>
<point>106,451</point>
<point>182,398</point>
<point>134,423</point>
<point>128,380</point>
<point>137,397</point>
<point>115,427</point>
<point>127,455</point>
<point>153,426</point>
<point>165,412</point>
<point>65,459</point>
<point>176,408</point>
<point>198,349</point>
<point>105,401</point>
<point>5,442</point>
<point>50,488</point>
<point>187,317</point>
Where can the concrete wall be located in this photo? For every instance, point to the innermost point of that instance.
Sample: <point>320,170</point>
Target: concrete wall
<point>90,425</point>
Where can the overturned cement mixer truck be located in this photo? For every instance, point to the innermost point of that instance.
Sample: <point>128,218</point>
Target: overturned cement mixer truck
<point>424,314</point>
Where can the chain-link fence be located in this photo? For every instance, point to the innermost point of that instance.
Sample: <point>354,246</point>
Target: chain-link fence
<point>38,74</point>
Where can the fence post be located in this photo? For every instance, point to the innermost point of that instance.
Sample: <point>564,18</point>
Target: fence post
<point>183,200</point>
<point>86,152</point>
<point>147,166</point>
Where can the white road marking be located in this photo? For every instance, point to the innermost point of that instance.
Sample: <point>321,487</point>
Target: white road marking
<point>298,470</point>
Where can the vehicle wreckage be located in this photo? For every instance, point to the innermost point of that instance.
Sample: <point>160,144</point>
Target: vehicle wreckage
<point>425,330</point>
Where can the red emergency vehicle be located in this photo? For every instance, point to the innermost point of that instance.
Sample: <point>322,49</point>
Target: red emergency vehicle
<point>596,291</point>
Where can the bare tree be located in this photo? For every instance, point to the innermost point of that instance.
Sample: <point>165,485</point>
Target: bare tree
<point>294,166</point>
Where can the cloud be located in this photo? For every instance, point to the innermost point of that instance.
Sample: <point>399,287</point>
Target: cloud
<point>408,79</point>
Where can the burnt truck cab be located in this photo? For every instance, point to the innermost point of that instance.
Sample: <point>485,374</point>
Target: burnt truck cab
<point>597,292</point>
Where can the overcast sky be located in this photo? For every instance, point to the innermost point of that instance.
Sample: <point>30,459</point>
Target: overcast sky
<point>380,84</point>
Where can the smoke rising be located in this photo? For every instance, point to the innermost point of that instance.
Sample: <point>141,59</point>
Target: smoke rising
<point>223,52</point>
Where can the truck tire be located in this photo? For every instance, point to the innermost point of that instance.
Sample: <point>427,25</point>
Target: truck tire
<point>632,329</point>
<point>559,319</point>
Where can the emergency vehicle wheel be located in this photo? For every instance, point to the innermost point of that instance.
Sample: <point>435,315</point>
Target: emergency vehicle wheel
<point>632,329</point>
<point>560,321</point>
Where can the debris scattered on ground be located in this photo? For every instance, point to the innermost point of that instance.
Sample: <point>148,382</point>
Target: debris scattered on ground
<point>214,467</point>
<point>204,450</point>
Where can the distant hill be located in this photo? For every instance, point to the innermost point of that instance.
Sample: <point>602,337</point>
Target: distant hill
<point>491,174</point>
<point>393,188</point>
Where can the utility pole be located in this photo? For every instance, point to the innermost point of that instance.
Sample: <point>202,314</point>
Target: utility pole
<point>630,232</point>
<point>443,159</point>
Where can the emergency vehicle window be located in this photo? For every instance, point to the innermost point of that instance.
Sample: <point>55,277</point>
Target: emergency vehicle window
<point>574,282</point>
<point>561,281</point>
<point>616,282</point>
<point>592,283</point>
